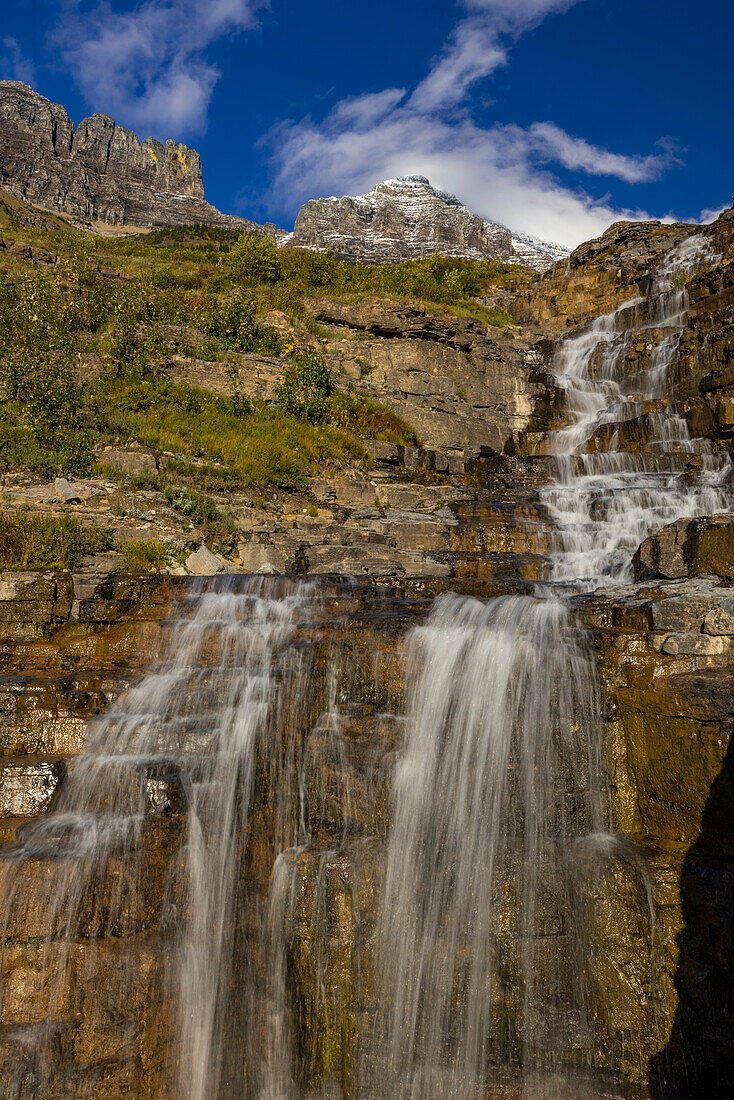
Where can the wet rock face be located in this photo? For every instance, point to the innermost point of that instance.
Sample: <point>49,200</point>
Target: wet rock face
<point>668,714</point>
<point>598,276</point>
<point>98,172</point>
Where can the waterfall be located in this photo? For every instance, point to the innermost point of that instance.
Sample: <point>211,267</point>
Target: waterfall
<point>203,853</point>
<point>606,499</point>
<point>501,774</point>
<point>500,820</point>
<point>182,746</point>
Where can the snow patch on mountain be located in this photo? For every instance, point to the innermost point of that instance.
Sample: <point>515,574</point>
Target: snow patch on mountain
<point>406,218</point>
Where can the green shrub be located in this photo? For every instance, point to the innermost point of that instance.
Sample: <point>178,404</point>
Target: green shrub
<point>307,386</point>
<point>47,542</point>
<point>254,259</point>
<point>165,278</point>
<point>233,322</point>
<point>135,351</point>
<point>203,511</point>
<point>684,275</point>
<point>321,270</point>
<point>18,447</point>
<point>40,320</point>
<point>143,555</point>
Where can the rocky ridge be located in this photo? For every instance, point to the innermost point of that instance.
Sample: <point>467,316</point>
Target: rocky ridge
<point>406,219</point>
<point>98,172</point>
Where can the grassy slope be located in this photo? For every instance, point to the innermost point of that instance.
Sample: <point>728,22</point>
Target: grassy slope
<point>118,297</point>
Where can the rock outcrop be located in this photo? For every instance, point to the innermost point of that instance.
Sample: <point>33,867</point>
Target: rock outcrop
<point>463,387</point>
<point>406,219</point>
<point>689,548</point>
<point>98,171</point>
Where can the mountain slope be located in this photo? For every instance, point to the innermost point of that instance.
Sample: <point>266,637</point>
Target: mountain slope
<point>406,219</point>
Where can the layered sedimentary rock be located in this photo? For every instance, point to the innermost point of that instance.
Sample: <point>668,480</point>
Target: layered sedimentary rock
<point>72,645</point>
<point>98,171</point>
<point>465,388</point>
<point>406,219</point>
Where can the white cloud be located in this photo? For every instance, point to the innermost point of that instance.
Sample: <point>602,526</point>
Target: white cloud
<point>367,110</point>
<point>502,172</point>
<point>492,170</point>
<point>14,65</point>
<point>473,53</point>
<point>146,65</point>
<point>549,144</point>
<point>711,213</point>
<point>476,47</point>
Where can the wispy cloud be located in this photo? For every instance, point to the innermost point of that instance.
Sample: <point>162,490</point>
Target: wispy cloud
<point>503,172</point>
<point>493,170</point>
<point>147,65</point>
<point>478,46</point>
<point>14,65</point>
<point>711,213</point>
<point>549,144</point>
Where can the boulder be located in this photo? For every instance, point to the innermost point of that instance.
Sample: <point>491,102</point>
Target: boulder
<point>688,548</point>
<point>203,563</point>
<point>720,619</point>
<point>65,493</point>
<point>695,645</point>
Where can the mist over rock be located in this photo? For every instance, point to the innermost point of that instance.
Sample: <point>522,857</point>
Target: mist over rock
<point>407,218</point>
<point>98,172</point>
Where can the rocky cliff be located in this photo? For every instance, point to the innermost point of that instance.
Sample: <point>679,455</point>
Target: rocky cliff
<point>407,218</point>
<point>467,511</point>
<point>98,171</point>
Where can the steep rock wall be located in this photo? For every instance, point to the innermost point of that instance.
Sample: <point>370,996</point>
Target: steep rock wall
<point>98,172</point>
<point>70,645</point>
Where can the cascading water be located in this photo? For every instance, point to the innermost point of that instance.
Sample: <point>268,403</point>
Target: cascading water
<point>485,953</point>
<point>475,972</point>
<point>607,500</point>
<point>481,959</point>
<point>183,743</point>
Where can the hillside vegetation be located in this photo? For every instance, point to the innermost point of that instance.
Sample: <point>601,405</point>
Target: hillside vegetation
<point>166,289</point>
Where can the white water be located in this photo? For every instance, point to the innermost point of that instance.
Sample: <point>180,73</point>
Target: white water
<point>183,744</point>
<point>607,500</point>
<point>500,773</point>
<point>500,810</point>
<point>251,630</point>
<point>501,822</point>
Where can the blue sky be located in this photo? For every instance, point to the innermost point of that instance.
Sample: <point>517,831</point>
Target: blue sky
<point>555,117</point>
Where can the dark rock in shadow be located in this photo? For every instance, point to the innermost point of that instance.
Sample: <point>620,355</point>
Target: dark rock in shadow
<point>698,1060</point>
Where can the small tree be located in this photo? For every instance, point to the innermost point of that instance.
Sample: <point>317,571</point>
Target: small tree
<point>307,386</point>
<point>255,259</point>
